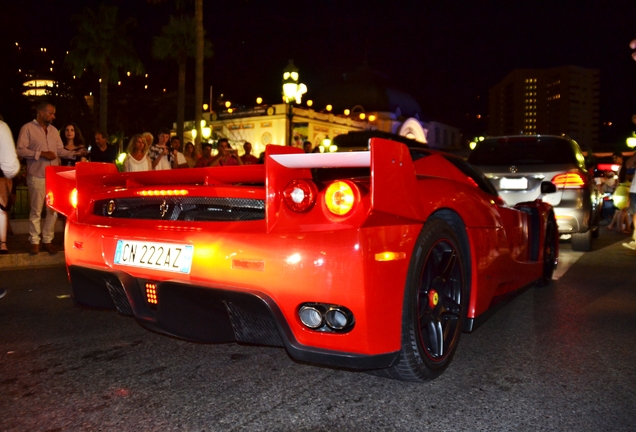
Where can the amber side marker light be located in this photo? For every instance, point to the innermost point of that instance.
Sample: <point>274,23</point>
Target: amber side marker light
<point>340,197</point>
<point>390,256</point>
<point>50,199</point>
<point>162,192</point>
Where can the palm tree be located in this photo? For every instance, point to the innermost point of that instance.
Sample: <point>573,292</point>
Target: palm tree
<point>102,44</point>
<point>177,41</point>
<point>199,55</point>
<point>198,67</point>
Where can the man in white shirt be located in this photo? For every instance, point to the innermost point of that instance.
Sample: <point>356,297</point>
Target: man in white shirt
<point>40,144</point>
<point>159,153</point>
<point>177,159</point>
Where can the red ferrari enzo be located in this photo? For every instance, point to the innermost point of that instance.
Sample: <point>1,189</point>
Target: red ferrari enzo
<point>370,260</point>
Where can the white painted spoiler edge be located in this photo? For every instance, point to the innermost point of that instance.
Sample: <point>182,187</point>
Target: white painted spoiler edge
<point>324,160</point>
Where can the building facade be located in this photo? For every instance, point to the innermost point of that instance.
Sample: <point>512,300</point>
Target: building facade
<point>363,100</point>
<point>563,100</point>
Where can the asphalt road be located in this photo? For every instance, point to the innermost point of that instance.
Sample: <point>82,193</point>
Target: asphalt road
<point>558,358</point>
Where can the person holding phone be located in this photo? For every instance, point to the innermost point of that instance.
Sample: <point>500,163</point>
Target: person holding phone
<point>226,155</point>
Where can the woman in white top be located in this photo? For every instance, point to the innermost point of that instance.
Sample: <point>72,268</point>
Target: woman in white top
<point>137,158</point>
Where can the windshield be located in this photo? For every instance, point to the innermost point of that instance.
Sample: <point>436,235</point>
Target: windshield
<point>523,151</point>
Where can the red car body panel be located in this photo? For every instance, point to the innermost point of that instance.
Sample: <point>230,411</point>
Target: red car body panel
<point>286,258</point>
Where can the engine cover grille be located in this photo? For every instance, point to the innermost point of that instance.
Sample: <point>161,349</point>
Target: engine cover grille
<point>202,209</point>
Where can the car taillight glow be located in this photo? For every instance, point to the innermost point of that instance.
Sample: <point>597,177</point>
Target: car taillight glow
<point>151,293</point>
<point>162,192</point>
<point>569,181</point>
<point>300,195</point>
<point>73,198</point>
<point>340,197</point>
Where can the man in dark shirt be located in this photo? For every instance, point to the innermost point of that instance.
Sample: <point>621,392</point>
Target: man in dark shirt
<point>101,151</point>
<point>206,157</point>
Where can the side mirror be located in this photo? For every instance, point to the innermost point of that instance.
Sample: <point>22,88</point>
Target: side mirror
<point>548,187</point>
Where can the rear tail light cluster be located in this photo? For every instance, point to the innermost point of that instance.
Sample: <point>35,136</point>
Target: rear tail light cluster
<point>340,197</point>
<point>72,198</point>
<point>326,317</point>
<point>572,180</point>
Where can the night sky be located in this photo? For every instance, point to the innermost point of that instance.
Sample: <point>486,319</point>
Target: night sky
<point>446,54</point>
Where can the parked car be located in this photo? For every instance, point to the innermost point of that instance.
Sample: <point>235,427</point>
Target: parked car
<point>371,260</point>
<point>516,166</point>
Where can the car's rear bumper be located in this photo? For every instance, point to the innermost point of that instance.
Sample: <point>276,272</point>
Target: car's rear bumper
<point>249,288</point>
<point>203,314</point>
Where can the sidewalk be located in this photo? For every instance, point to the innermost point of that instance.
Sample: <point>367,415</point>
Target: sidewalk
<point>18,245</point>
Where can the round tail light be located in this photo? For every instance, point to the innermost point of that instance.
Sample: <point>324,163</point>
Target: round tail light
<point>340,197</point>
<point>300,195</point>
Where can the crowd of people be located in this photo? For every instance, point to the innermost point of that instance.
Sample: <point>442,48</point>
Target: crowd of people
<point>143,154</point>
<point>40,144</point>
<point>621,187</point>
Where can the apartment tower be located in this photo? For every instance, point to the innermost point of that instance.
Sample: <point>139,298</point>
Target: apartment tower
<point>563,100</point>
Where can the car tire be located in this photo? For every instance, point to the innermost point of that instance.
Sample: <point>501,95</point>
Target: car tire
<point>550,249</point>
<point>434,307</point>
<point>595,231</point>
<point>582,242</point>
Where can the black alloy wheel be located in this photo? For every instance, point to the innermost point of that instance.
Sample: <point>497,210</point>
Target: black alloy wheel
<point>434,304</point>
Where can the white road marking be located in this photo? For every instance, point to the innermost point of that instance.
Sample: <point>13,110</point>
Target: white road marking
<point>566,260</point>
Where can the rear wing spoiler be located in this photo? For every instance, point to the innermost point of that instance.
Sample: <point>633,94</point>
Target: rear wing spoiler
<point>393,178</point>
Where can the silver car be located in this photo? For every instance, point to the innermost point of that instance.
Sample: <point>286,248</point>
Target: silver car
<point>516,166</point>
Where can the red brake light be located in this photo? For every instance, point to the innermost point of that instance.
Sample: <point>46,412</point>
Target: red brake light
<point>569,180</point>
<point>300,195</point>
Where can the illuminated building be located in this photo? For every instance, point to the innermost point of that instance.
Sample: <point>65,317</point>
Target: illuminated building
<point>563,100</point>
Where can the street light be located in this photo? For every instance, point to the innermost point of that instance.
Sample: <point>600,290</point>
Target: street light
<point>293,91</point>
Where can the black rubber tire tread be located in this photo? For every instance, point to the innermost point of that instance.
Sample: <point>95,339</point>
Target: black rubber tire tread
<point>582,242</point>
<point>411,366</point>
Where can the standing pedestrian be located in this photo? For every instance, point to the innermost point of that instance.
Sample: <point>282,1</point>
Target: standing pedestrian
<point>137,155</point>
<point>177,159</point>
<point>248,158</point>
<point>9,168</point>
<point>74,141</point>
<point>102,151</point>
<point>158,153</point>
<point>206,157</point>
<point>190,154</point>
<point>226,156</point>
<point>307,147</point>
<point>40,144</point>
<point>631,164</point>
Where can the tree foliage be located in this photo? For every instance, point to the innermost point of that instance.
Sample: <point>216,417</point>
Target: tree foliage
<point>102,45</point>
<point>178,41</point>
